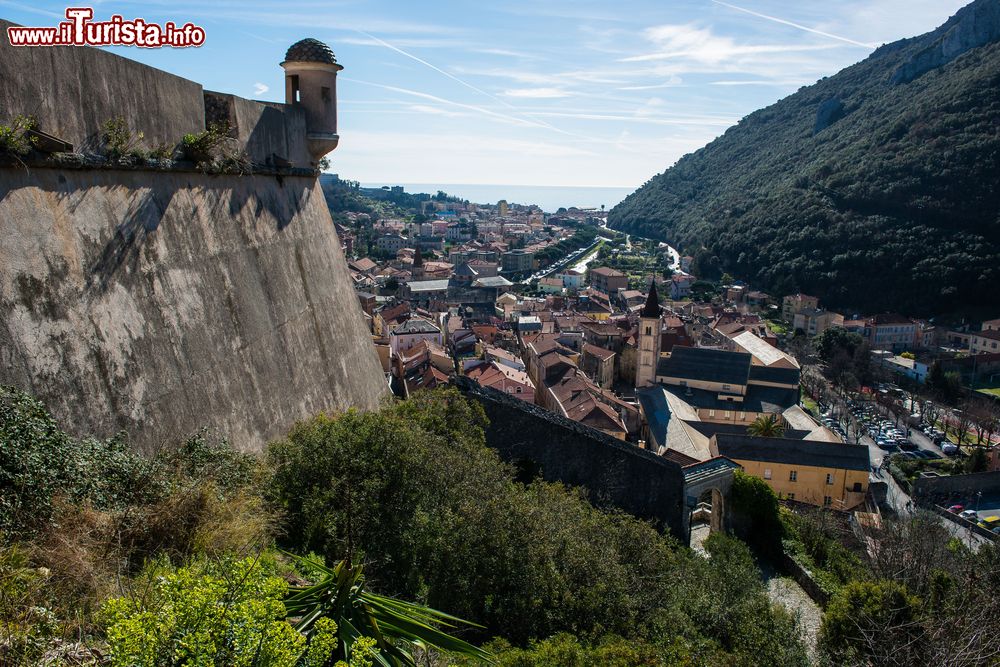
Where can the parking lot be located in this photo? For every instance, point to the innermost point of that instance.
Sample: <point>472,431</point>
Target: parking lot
<point>869,424</point>
<point>985,506</point>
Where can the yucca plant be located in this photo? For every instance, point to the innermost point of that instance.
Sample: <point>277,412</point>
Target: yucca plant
<point>396,626</point>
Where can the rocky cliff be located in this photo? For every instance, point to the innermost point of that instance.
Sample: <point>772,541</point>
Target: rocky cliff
<point>973,26</point>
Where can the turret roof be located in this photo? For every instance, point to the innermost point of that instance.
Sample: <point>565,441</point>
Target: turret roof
<point>310,50</point>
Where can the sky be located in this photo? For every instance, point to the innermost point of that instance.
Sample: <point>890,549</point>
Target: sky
<point>525,92</point>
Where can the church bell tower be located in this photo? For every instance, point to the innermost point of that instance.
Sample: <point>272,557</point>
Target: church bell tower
<point>649,340</point>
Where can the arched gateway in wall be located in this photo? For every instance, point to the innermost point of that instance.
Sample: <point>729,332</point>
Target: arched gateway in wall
<point>707,487</point>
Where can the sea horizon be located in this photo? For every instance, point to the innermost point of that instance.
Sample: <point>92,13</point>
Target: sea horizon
<point>547,197</point>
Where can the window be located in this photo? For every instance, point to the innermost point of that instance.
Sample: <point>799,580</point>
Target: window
<point>829,478</point>
<point>711,414</point>
<point>793,475</point>
<point>649,331</point>
<point>791,496</point>
<point>827,501</point>
<point>727,414</point>
<point>743,416</point>
<point>325,92</point>
<point>857,487</point>
<point>295,88</point>
<point>726,387</point>
<point>767,473</point>
<point>519,390</point>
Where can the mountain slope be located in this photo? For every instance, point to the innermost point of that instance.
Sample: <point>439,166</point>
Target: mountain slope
<point>875,189</point>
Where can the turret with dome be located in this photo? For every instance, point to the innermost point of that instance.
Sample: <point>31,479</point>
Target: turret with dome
<point>311,82</point>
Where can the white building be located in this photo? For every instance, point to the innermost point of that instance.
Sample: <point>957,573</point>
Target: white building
<point>413,331</point>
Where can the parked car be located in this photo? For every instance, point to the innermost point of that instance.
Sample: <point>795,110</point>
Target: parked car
<point>990,522</point>
<point>970,515</point>
<point>955,509</point>
<point>949,448</point>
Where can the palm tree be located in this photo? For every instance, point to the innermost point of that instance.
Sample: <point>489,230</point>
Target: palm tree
<point>396,626</point>
<point>766,426</point>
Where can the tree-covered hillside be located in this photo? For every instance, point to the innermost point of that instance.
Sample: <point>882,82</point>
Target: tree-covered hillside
<point>875,189</point>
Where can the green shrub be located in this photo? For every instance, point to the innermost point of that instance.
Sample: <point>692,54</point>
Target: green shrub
<point>813,540</point>
<point>754,500</point>
<point>440,519</point>
<point>218,612</point>
<point>206,147</point>
<point>120,141</point>
<point>27,624</point>
<point>565,650</point>
<point>38,462</point>
<point>227,612</point>
<point>16,140</point>
<point>864,616</point>
<point>35,463</point>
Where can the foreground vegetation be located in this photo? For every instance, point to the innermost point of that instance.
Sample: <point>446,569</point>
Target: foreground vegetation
<point>185,556</point>
<point>182,556</point>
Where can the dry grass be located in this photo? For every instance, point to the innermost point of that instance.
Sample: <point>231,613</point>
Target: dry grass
<point>89,555</point>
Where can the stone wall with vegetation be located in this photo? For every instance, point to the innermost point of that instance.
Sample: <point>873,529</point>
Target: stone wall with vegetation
<point>615,473</point>
<point>72,93</point>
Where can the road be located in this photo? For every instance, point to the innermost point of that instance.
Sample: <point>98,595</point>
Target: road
<point>899,500</point>
<point>562,263</point>
<point>581,266</point>
<point>675,257</point>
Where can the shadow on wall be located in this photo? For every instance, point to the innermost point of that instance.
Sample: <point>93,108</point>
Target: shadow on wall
<point>143,217</point>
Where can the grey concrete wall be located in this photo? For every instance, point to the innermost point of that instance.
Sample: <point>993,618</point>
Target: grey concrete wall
<point>72,91</point>
<point>160,303</point>
<point>265,128</point>
<point>940,490</point>
<point>615,473</point>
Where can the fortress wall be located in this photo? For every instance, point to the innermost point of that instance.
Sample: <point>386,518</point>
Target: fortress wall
<point>161,303</point>
<point>614,473</point>
<point>72,91</point>
<point>265,128</point>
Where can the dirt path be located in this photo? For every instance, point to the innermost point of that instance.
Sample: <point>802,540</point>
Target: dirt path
<point>781,590</point>
<point>787,593</point>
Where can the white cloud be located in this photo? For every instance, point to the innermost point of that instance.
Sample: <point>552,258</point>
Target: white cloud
<point>672,81</point>
<point>701,45</point>
<point>762,82</point>
<point>409,42</point>
<point>435,111</point>
<point>636,117</point>
<point>259,89</point>
<point>503,117</point>
<point>498,159</point>
<point>536,93</point>
<point>652,106</point>
<point>888,20</point>
<point>799,26</point>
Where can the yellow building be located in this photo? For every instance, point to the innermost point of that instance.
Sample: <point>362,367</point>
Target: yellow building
<point>809,471</point>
